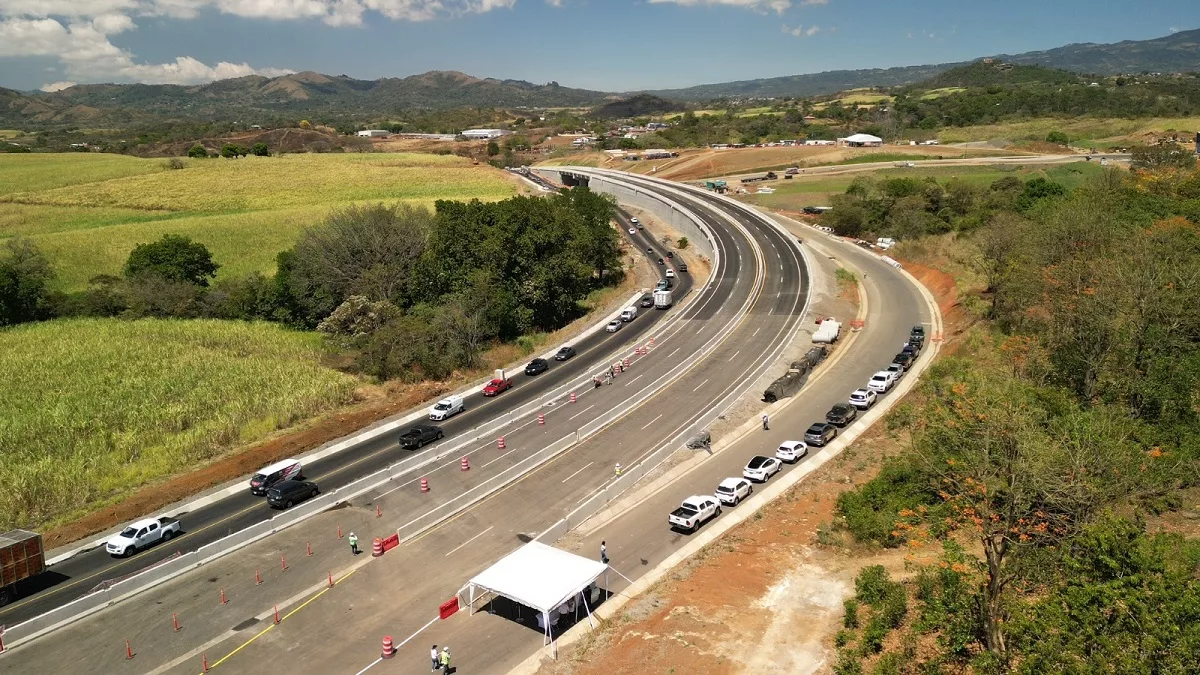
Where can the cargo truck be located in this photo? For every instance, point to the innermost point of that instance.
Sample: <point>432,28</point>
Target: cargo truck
<point>770,175</point>
<point>21,558</point>
<point>662,299</point>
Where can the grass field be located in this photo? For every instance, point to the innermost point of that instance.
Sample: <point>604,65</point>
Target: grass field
<point>94,408</point>
<point>1082,132</point>
<point>815,191</point>
<point>87,211</point>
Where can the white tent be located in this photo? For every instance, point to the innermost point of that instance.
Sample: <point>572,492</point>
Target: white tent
<point>545,578</point>
<point>861,140</point>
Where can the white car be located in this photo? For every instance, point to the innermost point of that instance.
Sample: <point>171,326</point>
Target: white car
<point>670,274</point>
<point>760,468</point>
<point>614,326</point>
<point>881,382</point>
<point>734,490</point>
<point>863,399</point>
<point>446,408</point>
<point>632,231</point>
<point>635,221</point>
<point>896,370</point>
<point>791,451</point>
<point>694,512</point>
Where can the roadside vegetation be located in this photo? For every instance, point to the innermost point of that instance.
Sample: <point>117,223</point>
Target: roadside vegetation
<point>1038,449</point>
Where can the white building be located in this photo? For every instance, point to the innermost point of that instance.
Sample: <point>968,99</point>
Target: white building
<point>374,133</point>
<point>861,141</point>
<point>484,134</point>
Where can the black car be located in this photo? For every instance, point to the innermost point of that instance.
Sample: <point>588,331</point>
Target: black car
<point>820,433</point>
<point>912,350</point>
<point>286,493</point>
<point>903,359</point>
<point>841,414</point>
<point>537,367</point>
<point>647,301</point>
<point>670,254</point>
<point>564,354</point>
<point>661,262</point>
<point>918,331</point>
<point>682,267</point>
<point>650,250</point>
<point>918,340</point>
<point>420,435</point>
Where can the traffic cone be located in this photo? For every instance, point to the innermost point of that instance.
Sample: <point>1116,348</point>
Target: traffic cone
<point>500,443</point>
<point>651,343</point>
<point>339,530</point>
<point>464,464</point>
<point>572,397</point>
<point>541,419</point>
<point>308,548</point>
<point>223,600</point>
<point>204,660</point>
<point>388,650</point>
<point>424,485</point>
<point>626,361</point>
<point>378,511</point>
<point>257,578</point>
<point>175,621</point>
<point>283,563</point>
<point>276,613</point>
<point>377,548</point>
<point>331,579</point>
<point>128,651</point>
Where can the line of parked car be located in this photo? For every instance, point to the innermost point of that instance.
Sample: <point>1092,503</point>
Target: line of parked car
<point>699,509</point>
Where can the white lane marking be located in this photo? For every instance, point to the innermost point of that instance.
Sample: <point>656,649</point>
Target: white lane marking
<point>498,458</point>
<point>735,355</point>
<point>673,353</point>
<point>455,550</point>
<point>652,421</point>
<point>756,331</point>
<point>582,411</point>
<point>574,474</point>
<point>700,385</point>
<point>634,380</point>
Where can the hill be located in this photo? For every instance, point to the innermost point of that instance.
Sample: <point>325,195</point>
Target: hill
<point>990,73</point>
<point>1178,52</point>
<point>261,98</point>
<point>637,106</point>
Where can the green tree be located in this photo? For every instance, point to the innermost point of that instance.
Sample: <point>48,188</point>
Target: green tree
<point>232,150</point>
<point>197,151</point>
<point>1164,156</point>
<point>493,148</point>
<point>260,150</point>
<point>1057,138</point>
<point>25,276</point>
<point>175,258</point>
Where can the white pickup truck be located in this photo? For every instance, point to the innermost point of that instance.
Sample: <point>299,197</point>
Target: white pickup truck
<point>142,534</point>
<point>694,512</point>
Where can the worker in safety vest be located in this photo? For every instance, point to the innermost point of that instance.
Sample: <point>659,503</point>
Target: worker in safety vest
<point>353,544</point>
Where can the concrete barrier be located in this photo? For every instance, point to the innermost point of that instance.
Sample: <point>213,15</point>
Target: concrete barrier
<point>56,618</point>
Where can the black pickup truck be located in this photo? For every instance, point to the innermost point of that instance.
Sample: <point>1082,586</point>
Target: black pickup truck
<point>420,435</point>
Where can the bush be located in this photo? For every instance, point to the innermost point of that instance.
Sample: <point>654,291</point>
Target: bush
<point>850,618</point>
<point>872,638</point>
<point>197,151</point>
<point>260,150</point>
<point>843,638</point>
<point>1057,138</point>
<point>848,663</point>
<point>682,243</point>
<point>872,585</point>
<point>174,164</point>
<point>889,664</point>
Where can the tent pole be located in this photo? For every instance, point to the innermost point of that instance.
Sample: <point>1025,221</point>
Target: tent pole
<point>589,612</point>
<point>472,603</point>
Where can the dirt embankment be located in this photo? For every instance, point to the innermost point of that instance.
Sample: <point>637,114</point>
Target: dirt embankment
<point>375,403</point>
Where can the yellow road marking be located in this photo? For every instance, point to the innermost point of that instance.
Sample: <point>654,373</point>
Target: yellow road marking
<point>285,617</point>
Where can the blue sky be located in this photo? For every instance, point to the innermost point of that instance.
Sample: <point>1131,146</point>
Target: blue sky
<point>612,45</point>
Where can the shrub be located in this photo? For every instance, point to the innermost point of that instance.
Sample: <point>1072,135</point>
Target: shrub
<point>843,638</point>
<point>848,663</point>
<point>683,243</point>
<point>872,637</point>
<point>174,164</point>
<point>197,151</point>
<point>1057,138</point>
<point>260,150</point>
<point>872,584</point>
<point>850,618</point>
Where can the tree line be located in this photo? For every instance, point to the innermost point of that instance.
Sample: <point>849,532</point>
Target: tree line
<point>403,292</point>
<point>1036,452</point>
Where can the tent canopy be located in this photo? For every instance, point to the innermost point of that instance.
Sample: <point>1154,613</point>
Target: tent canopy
<point>539,576</point>
<point>863,138</point>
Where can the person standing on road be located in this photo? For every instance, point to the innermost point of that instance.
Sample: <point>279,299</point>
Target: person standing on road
<point>445,659</point>
<point>353,544</point>
<point>434,661</point>
<point>603,553</point>
<point>765,427</point>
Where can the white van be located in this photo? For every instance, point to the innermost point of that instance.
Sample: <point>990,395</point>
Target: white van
<point>629,314</point>
<point>279,471</point>
<point>447,407</point>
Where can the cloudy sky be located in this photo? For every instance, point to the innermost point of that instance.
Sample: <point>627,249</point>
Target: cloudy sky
<point>600,44</point>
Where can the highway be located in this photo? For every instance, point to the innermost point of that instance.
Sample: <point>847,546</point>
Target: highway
<point>753,302</point>
<point>78,575</point>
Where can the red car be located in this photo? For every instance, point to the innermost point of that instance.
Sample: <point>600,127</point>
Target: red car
<point>496,386</point>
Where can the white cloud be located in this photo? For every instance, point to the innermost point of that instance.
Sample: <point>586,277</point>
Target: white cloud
<point>1174,29</point>
<point>778,6</point>
<point>801,31</point>
<point>57,86</point>
<point>814,2</point>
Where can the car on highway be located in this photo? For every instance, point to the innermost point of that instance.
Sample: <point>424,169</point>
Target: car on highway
<point>564,354</point>
<point>290,492</point>
<point>142,534</point>
<point>912,348</point>
<point>733,490</point>
<point>820,433</point>
<point>537,367</point>
<point>863,399</point>
<point>670,254</point>
<point>841,414</point>
<point>760,468</point>
<point>497,386</point>
<point>694,512</point>
<point>268,476</point>
<point>663,285</point>
<point>791,451</point>
<point>917,339</point>
<point>670,273</point>
<point>636,222</point>
<point>420,436</point>
<point>646,301</point>
<point>632,231</point>
<point>918,331</point>
<point>682,267</point>
<point>661,261</point>
<point>881,382</point>
<point>896,370</point>
<point>446,408</point>
<point>614,326</point>
<point>905,360</point>
<point>650,250</point>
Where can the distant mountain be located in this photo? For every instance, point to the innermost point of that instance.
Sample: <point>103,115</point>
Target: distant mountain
<point>993,72</point>
<point>637,106</point>
<point>249,98</point>
<point>1178,52</point>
